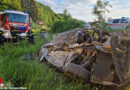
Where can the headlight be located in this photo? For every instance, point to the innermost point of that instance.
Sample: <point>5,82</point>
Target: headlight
<point>7,34</point>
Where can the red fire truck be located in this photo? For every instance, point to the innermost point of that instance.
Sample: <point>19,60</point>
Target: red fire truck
<point>14,25</point>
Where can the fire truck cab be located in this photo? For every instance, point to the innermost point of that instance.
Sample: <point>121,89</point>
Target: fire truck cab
<point>14,20</point>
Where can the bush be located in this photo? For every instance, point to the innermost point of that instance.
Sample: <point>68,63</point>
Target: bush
<point>66,23</point>
<point>61,26</point>
<point>35,26</point>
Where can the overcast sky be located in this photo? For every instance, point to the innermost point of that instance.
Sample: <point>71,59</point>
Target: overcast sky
<point>82,9</point>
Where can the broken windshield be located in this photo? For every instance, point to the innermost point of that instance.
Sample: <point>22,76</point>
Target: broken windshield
<point>17,18</point>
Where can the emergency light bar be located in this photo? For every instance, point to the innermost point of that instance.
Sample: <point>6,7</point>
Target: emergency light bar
<point>16,12</point>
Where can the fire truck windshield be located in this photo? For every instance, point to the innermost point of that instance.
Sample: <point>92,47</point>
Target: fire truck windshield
<point>12,17</point>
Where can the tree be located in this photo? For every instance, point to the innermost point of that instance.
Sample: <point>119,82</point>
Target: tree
<point>66,15</point>
<point>30,7</point>
<point>66,23</point>
<point>34,13</point>
<point>100,10</point>
<point>8,4</point>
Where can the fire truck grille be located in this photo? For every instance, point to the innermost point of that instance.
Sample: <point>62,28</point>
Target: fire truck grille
<point>18,28</point>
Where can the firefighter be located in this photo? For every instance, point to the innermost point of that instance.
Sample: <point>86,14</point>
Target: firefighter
<point>43,30</point>
<point>15,36</point>
<point>30,36</point>
<point>1,39</point>
<point>42,33</point>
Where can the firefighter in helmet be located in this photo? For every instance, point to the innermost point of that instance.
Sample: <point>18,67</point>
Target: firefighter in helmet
<point>30,36</point>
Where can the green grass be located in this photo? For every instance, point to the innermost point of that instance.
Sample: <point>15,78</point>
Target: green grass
<point>31,73</point>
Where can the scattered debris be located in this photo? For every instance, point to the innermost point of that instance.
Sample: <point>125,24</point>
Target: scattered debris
<point>95,56</point>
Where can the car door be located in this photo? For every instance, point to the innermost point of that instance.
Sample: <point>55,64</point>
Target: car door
<point>124,23</point>
<point>116,24</point>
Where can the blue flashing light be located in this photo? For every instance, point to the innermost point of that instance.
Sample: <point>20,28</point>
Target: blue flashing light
<point>25,13</point>
<point>22,28</point>
<point>8,10</point>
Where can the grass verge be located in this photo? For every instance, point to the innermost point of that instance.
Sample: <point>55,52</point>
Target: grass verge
<point>31,74</point>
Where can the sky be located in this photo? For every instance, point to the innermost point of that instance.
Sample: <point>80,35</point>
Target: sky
<point>82,9</point>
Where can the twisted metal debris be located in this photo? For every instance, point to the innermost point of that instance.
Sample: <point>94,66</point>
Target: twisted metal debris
<point>97,57</point>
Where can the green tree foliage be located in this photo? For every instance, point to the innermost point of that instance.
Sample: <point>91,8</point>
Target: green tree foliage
<point>46,14</point>
<point>66,23</point>
<point>100,10</point>
<point>10,4</point>
<point>30,7</point>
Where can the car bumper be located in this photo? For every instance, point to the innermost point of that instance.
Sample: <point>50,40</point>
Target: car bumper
<point>7,34</point>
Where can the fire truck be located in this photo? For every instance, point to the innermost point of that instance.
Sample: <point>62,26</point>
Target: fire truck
<point>14,25</point>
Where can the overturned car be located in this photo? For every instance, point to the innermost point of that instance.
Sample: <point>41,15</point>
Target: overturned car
<point>97,57</point>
